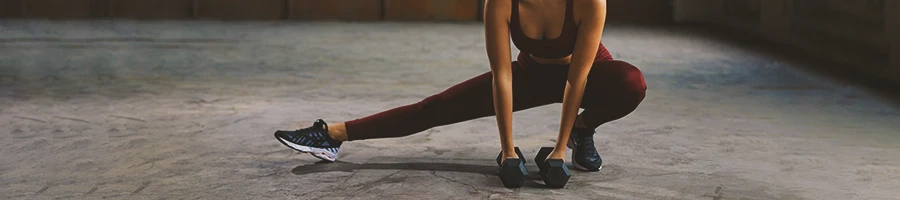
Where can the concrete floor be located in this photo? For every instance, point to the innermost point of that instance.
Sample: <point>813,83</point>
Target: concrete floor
<point>185,110</point>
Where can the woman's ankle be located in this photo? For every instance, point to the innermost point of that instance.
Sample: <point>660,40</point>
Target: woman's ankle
<point>338,132</point>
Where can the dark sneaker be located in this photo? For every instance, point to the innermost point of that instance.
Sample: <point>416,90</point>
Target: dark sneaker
<point>584,153</point>
<point>313,140</point>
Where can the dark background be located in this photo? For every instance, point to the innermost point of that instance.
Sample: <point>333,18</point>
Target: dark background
<point>861,37</point>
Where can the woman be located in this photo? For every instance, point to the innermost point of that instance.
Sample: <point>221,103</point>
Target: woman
<point>562,61</point>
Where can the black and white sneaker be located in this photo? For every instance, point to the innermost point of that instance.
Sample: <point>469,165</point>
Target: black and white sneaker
<point>584,153</point>
<point>313,140</point>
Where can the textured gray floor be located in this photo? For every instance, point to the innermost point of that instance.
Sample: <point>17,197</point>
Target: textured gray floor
<point>185,110</point>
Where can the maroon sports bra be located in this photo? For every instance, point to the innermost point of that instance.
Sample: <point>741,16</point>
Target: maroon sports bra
<point>558,47</point>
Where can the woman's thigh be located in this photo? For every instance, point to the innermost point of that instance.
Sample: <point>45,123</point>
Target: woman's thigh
<point>609,82</point>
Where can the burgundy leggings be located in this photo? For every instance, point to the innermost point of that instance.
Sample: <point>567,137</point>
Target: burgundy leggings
<point>614,89</point>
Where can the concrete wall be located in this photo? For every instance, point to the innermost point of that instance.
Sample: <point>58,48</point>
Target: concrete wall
<point>405,10</point>
<point>640,11</point>
<point>696,10</point>
<point>62,8</point>
<point>151,9</point>
<point>648,11</point>
<point>355,10</point>
<point>864,34</point>
<point>892,11</point>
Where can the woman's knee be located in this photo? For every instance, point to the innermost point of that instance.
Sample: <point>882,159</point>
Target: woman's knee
<point>625,76</point>
<point>634,86</point>
<point>623,91</point>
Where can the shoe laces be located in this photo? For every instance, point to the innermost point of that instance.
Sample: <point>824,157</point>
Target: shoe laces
<point>315,131</point>
<point>585,142</point>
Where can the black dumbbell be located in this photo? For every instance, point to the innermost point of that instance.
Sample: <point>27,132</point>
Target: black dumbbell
<point>512,171</point>
<point>553,171</point>
<point>519,153</point>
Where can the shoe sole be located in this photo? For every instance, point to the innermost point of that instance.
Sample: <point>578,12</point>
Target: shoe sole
<point>316,152</point>
<point>571,145</point>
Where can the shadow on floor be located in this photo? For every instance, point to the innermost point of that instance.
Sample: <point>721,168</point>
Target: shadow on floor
<point>349,167</point>
<point>490,171</point>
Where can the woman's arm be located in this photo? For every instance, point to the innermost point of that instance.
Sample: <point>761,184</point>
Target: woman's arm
<point>496,31</point>
<point>590,30</point>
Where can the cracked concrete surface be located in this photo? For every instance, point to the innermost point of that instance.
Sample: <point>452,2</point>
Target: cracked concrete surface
<point>185,110</point>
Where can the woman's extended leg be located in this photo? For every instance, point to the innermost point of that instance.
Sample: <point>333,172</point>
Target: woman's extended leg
<point>468,100</point>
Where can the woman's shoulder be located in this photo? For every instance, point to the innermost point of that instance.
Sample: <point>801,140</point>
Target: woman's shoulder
<point>588,8</point>
<point>498,9</point>
<point>588,3</point>
<point>498,5</point>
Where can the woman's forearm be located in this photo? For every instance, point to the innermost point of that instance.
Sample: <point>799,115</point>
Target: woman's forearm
<point>503,101</point>
<point>496,30</point>
<point>571,102</point>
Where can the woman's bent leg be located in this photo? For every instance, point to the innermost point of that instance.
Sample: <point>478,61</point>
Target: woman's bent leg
<point>615,89</point>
